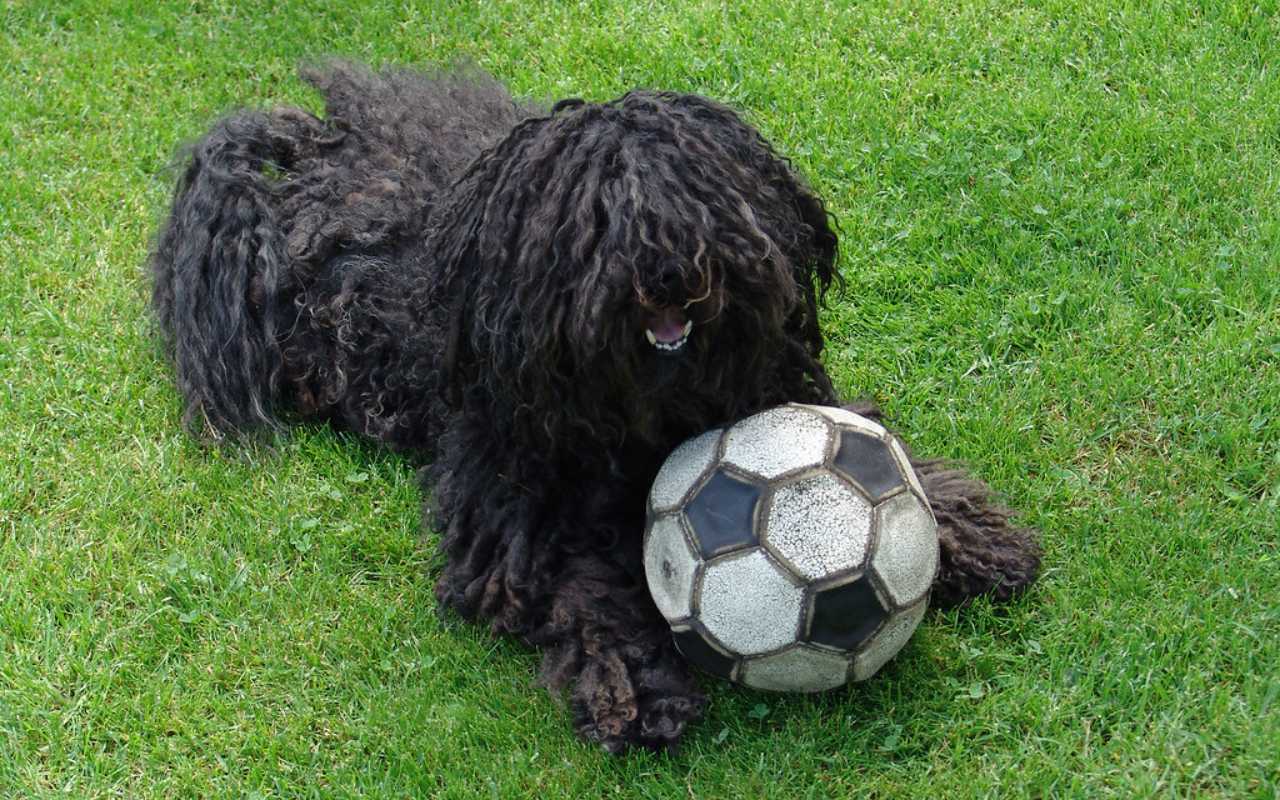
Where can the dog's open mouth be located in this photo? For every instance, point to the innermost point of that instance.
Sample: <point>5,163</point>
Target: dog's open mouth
<point>668,329</point>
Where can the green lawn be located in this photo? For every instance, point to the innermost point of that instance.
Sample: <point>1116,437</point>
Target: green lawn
<point>1061,239</point>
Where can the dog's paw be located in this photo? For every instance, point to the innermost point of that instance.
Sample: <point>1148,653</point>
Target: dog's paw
<point>623,706</point>
<point>982,550</point>
<point>663,720</point>
<point>656,724</point>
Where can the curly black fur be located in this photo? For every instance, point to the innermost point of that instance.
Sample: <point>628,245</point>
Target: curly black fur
<point>447,271</point>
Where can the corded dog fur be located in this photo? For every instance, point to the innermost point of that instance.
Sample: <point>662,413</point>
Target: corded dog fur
<point>543,303</point>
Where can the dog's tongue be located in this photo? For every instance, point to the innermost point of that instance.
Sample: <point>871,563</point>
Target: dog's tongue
<point>667,324</point>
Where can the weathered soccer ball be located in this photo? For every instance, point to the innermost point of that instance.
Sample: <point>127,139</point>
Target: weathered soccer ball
<point>793,551</point>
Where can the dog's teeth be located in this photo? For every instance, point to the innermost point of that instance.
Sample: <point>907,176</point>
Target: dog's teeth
<point>669,347</point>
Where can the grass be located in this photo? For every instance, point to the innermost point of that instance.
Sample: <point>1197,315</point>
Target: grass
<point>1062,246</point>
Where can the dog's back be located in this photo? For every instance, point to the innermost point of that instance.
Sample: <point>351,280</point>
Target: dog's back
<point>269,273</point>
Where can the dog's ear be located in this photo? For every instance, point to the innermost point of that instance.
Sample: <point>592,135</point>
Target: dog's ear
<point>791,203</point>
<point>453,256</point>
<point>469,255</point>
<point>815,268</point>
<point>813,259</point>
<point>453,342</point>
<point>818,258</point>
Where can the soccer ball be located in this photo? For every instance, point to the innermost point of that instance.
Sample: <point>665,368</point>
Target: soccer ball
<point>793,551</point>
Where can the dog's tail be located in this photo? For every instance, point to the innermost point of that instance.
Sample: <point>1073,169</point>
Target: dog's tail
<point>224,293</point>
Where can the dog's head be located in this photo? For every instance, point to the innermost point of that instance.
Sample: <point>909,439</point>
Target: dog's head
<point>631,268</point>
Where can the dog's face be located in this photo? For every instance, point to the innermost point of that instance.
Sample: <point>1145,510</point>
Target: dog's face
<point>651,258</point>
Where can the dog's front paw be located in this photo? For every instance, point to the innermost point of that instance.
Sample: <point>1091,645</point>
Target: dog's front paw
<point>982,550</point>
<point>662,721</point>
<point>655,724</point>
<point>649,707</point>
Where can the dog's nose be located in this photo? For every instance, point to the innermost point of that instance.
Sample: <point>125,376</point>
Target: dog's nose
<point>671,283</point>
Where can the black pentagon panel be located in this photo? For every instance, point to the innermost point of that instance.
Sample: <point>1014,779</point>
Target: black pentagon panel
<point>722,515</point>
<point>867,460</point>
<point>702,655</point>
<point>846,616</point>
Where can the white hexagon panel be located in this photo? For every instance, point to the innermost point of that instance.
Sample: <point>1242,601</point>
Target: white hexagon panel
<point>749,604</point>
<point>842,416</point>
<point>753,445</point>
<point>886,644</point>
<point>682,469</point>
<point>801,668</point>
<point>819,525</point>
<point>670,566</point>
<point>906,556</point>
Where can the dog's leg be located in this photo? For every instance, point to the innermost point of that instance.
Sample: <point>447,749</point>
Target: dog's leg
<point>605,640</point>
<point>601,637</point>
<point>224,290</point>
<point>567,579</point>
<point>982,551</point>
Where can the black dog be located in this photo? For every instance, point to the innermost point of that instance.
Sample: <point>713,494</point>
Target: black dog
<point>545,303</point>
